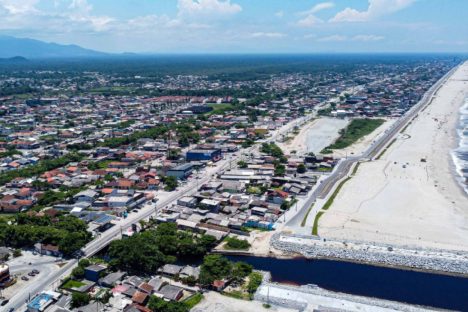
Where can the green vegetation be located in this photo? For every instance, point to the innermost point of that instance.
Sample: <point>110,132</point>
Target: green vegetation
<point>70,284</point>
<point>152,133</point>
<point>329,202</point>
<point>354,131</point>
<point>193,300</point>
<point>217,267</point>
<point>160,305</point>
<point>315,226</point>
<point>145,252</point>
<point>79,299</point>
<point>255,279</point>
<point>307,215</point>
<point>301,168</point>
<point>235,243</point>
<point>220,109</point>
<point>327,205</point>
<point>273,150</point>
<point>67,232</point>
<point>242,164</point>
<point>385,149</point>
<point>10,152</point>
<point>170,183</point>
<point>39,168</point>
<point>355,169</point>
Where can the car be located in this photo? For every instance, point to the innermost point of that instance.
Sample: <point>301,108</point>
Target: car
<point>31,274</point>
<point>35,271</point>
<point>24,278</point>
<point>11,310</point>
<point>4,302</point>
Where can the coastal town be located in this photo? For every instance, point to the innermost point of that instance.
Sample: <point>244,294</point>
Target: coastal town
<point>130,193</point>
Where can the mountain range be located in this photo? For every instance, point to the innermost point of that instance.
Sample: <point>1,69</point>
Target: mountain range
<point>11,47</point>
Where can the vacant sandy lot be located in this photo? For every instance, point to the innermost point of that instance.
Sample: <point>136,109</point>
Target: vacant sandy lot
<point>315,136</point>
<point>401,199</point>
<point>215,302</point>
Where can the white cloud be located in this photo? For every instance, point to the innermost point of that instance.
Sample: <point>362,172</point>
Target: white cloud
<point>268,35</point>
<point>375,9</point>
<point>208,7</point>
<point>341,38</point>
<point>367,38</point>
<point>19,7</point>
<point>333,38</point>
<point>310,19</point>
<point>279,14</point>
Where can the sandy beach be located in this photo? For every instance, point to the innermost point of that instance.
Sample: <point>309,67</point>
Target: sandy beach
<point>315,136</point>
<point>410,196</point>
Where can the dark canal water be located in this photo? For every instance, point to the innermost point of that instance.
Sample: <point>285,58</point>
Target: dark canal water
<point>434,290</point>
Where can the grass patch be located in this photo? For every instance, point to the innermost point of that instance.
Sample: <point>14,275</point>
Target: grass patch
<point>335,193</point>
<point>233,243</point>
<point>385,149</point>
<point>70,284</point>
<point>193,300</point>
<point>315,227</point>
<point>237,294</point>
<point>307,215</point>
<point>219,109</point>
<point>354,131</point>
<point>355,169</point>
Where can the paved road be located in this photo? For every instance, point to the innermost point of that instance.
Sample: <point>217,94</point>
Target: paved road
<point>18,302</point>
<point>344,166</point>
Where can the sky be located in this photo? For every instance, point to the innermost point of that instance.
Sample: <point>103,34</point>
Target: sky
<point>242,26</point>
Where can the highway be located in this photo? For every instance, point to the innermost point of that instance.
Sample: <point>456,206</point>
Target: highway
<point>342,169</point>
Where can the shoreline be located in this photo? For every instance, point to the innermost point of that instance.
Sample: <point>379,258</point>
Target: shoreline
<point>458,139</point>
<point>411,195</point>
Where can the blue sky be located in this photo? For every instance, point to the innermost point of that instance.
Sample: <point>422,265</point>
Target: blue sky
<point>242,26</point>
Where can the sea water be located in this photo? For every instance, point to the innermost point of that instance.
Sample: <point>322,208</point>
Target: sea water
<point>460,154</point>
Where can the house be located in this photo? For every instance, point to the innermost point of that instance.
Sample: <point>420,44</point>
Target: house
<point>93,272</point>
<point>170,270</point>
<point>200,155</point>
<point>48,249</point>
<point>190,271</point>
<point>140,297</point>
<point>210,204</point>
<point>146,288</point>
<point>187,201</point>
<point>180,172</point>
<point>110,280</point>
<point>157,283</point>
<point>85,196</point>
<point>171,292</point>
<point>218,285</point>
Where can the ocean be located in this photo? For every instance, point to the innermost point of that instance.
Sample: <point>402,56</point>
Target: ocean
<point>460,154</point>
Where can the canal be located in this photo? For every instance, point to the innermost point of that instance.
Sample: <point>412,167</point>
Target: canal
<point>413,287</point>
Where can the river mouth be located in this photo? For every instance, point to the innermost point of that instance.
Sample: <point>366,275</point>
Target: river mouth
<point>388,283</point>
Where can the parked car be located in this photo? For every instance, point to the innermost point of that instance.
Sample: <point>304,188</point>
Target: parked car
<point>35,271</point>
<point>24,278</point>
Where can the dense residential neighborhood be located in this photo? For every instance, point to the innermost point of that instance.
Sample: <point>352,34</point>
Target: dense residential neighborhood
<point>140,186</point>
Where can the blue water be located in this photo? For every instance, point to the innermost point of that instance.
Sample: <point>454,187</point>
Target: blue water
<point>420,288</point>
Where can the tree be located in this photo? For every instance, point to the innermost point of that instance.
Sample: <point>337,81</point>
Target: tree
<point>160,305</point>
<point>214,267</point>
<point>255,279</point>
<point>171,183</point>
<point>301,168</point>
<point>17,253</point>
<point>280,170</point>
<point>79,299</point>
<point>78,272</point>
<point>242,164</point>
